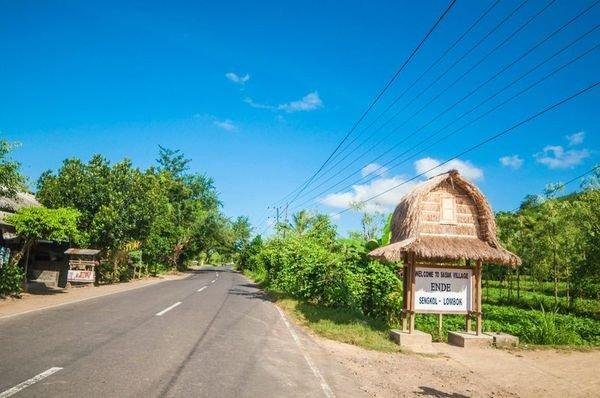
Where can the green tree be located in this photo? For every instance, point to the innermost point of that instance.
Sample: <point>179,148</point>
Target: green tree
<point>11,179</point>
<point>36,223</point>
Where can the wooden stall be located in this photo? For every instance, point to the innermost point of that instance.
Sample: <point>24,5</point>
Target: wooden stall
<point>443,231</point>
<point>82,265</point>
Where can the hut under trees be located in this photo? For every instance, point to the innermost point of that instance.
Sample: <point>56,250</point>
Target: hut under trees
<point>44,263</point>
<point>444,222</point>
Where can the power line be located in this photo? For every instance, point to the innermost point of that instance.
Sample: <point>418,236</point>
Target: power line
<point>481,60</point>
<point>553,72</point>
<point>529,87</point>
<point>379,95</point>
<point>487,140</point>
<point>376,172</point>
<point>433,64</point>
<point>488,34</point>
<point>563,184</point>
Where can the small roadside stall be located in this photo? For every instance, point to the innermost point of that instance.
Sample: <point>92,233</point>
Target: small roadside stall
<point>443,231</point>
<point>82,265</point>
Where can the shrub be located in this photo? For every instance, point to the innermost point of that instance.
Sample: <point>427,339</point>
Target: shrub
<point>383,291</point>
<point>11,280</point>
<point>304,268</point>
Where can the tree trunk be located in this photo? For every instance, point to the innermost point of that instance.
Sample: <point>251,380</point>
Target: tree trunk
<point>16,258</point>
<point>518,283</point>
<point>555,276</point>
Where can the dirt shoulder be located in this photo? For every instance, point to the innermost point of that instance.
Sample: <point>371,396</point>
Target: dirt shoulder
<point>458,372</point>
<point>47,299</point>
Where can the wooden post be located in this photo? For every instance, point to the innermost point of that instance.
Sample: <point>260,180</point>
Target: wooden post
<point>25,284</point>
<point>478,295</point>
<point>404,296</point>
<point>468,322</point>
<point>469,312</point>
<point>440,325</point>
<point>412,292</point>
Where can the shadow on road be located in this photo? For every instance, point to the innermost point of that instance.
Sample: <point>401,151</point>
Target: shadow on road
<point>39,289</point>
<point>432,392</point>
<point>250,294</point>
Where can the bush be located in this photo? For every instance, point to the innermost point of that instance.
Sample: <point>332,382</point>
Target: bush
<point>383,292</point>
<point>333,274</point>
<point>156,269</point>
<point>305,269</point>
<point>11,280</point>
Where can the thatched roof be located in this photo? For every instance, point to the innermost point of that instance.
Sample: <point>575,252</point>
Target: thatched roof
<point>20,200</point>
<point>12,205</point>
<point>406,236</point>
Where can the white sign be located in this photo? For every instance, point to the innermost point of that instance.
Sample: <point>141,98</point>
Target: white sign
<point>80,276</point>
<point>443,290</point>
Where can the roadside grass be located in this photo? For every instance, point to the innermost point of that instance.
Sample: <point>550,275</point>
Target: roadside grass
<point>340,324</point>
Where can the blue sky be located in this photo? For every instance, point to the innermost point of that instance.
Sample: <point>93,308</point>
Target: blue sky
<point>259,94</point>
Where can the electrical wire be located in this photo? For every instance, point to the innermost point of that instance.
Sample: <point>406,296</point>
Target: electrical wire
<point>487,140</point>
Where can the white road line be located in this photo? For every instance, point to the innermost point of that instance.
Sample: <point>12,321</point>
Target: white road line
<point>217,274</point>
<point>166,310</point>
<point>213,281</point>
<point>202,288</point>
<point>21,386</point>
<point>324,386</point>
<point>153,283</point>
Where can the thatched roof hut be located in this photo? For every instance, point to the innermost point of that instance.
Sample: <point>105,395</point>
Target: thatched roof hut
<point>445,218</point>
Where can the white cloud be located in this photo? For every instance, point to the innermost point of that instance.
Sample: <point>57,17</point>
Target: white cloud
<point>226,125</point>
<point>514,161</point>
<point>253,104</point>
<point>555,157</point>
<point>394,186</point>
<point>576,139</point>
<point>429,167</point>
<point>234,77</point>
<point>373,168</point>
<point>309,102</point>
<point>359,193</point>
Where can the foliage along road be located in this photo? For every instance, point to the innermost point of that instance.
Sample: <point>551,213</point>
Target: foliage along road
<point>211,334</point>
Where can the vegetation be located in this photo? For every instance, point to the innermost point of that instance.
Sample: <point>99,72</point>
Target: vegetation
<point>165,213</point>
<point>147,221</point>
<point>329,284</point>
<point>143,221</point>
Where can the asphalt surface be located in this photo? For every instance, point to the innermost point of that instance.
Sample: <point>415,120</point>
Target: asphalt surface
<point>224,339</point>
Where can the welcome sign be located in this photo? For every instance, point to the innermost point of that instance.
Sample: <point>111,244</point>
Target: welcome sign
<point>442,290</point>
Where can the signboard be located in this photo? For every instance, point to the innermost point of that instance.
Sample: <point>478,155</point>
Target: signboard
<point>80,276</point>
<point>443,290</point>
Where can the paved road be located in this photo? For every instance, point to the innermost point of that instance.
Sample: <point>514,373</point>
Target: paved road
<point>223,339</point>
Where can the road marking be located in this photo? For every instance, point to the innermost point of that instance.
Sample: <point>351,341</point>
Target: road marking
<point>202,288</point>
<point>27,383</point>
<point>217,274</point>
<point>168,309</point>
<point>213,281</point>
<point>324,386</point>
<point>152,283</point>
